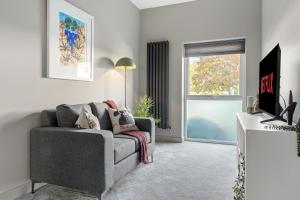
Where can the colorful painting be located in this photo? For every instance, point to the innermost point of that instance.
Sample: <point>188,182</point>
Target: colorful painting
<point>72,40</point>
<point>70,35</point>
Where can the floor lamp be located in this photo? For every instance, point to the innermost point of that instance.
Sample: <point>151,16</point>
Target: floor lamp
<point>125,63</point>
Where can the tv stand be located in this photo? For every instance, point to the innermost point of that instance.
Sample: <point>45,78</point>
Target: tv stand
<point>290,110</point>
<point>279,115</point>
<point>271,161</point>
<point>277,118</point>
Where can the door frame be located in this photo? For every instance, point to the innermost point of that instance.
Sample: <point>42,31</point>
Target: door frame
<point>187,97</point>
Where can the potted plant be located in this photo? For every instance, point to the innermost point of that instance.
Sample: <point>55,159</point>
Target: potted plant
<point>143,108</point>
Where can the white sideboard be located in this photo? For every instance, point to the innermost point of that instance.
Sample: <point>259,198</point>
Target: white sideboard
<point>271,161</point>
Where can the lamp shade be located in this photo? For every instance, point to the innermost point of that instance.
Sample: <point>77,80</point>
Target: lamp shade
<point>125,63</point>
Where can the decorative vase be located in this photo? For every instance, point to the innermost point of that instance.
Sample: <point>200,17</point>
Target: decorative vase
<point>249,104</point>
<point>256,104</point>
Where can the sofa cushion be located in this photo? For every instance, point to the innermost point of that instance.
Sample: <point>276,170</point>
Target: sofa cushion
<point>67,115</point>
<point>137,146</point>
<point>100,111</point>
<point>48,118</point>
<point>123,147</point>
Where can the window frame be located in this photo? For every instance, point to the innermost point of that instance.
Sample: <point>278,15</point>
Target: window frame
<point>187,96</point>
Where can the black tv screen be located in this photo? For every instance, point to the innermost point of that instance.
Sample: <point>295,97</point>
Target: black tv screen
<point>269,82</point>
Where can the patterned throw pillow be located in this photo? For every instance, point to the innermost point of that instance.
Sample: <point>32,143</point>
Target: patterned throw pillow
<point>87,120</point>
<point>122,120</point>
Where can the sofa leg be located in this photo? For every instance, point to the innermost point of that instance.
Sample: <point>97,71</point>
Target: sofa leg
<point>32,187</point>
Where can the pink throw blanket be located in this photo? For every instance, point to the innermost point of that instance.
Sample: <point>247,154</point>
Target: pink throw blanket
<point>140,135</point>
<point>111,103</point>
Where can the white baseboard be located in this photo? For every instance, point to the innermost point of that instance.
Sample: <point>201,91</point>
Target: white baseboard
<point>167,135</point>
<point>19,190</point>
<point>168,138</point>
<point>16,191</point>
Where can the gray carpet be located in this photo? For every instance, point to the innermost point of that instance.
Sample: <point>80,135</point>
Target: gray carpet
<point>192,171</point>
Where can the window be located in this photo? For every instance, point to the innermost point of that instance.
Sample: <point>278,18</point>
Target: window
<point>214,75</point>
<point>213,85</point>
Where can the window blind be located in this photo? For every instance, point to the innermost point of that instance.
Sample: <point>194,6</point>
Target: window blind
<point>236,46</point>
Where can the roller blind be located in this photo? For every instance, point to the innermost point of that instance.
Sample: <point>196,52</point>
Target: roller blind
<point>236,46</point>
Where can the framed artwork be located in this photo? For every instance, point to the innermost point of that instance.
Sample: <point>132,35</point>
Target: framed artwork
<point>70,42</point>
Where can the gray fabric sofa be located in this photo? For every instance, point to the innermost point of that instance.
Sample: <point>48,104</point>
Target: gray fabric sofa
<point>84,159</point>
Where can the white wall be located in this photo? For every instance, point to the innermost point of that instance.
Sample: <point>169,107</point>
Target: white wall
<point>199,21</point>
<point>24,91</point>
<point>281,24</point>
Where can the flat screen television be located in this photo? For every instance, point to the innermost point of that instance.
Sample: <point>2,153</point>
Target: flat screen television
<point>269,82</point>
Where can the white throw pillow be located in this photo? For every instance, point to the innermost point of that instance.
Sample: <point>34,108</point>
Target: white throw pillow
<point>122,120</point>
<point>87,120</point>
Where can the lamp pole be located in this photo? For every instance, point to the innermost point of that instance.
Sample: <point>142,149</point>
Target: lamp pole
<point>124,63</point>
<point>125,87</point>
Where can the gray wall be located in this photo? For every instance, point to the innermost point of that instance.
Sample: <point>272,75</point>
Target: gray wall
<point>24,92</point>
<point>281,24</point>
<point>199,21</point>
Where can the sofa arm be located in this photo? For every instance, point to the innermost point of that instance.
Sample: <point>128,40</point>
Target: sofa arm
<point>76,158</point>
<point>146,124</point>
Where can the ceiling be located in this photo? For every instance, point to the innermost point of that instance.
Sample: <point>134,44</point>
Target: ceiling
<point>143,4</point>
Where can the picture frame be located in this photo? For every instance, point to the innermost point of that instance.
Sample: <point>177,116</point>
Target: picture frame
<point>70,35</point>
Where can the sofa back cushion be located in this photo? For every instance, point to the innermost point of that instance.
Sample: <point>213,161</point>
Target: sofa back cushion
<point>100,111</point>
<point>48,118</point>
<point>67,115</point>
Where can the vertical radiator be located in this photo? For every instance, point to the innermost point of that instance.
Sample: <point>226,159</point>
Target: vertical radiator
<point>158,80</point>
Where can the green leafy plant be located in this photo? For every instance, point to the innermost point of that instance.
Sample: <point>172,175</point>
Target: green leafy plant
<point>143,108</point>
<point>239,186</point>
